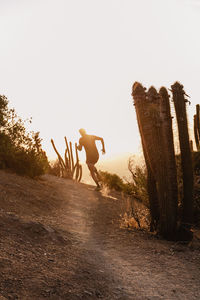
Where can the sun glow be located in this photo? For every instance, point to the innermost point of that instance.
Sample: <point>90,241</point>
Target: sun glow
<point>71,64</point>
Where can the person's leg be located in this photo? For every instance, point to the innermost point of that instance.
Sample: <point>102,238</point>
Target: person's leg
<point>97,173</point>
<point>94,173</point>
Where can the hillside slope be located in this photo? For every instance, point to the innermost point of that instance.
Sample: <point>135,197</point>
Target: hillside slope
<point>62,240</point>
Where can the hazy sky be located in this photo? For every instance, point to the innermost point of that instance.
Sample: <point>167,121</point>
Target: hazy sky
<point>71,63</point>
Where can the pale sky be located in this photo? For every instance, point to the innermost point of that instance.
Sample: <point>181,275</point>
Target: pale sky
<point>71,63</point>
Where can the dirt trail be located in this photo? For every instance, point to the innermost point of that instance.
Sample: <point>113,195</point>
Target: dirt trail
<point>136,271</point>
<point>89,256</point>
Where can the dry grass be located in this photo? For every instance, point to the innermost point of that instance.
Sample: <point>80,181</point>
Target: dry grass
<point>135,215</point>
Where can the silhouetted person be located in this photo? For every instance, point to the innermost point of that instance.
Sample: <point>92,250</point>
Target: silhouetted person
<point>92,155</point>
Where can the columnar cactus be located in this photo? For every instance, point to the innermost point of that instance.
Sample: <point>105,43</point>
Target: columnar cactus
<point>78,167</point>
<point>169,160</point>
<point>68,168</point>
<point>197,128</point>
<point>154,120</point>
<point>61,161</point>
<point>186,157</point>
<point>198,119</point>
<point>145,127</point>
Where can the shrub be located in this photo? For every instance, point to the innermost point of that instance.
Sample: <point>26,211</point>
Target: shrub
<point>136,212</point>
<point>55,168</point>
<point>112,181</point>
<point>20,151</point>
<point>136,187</point>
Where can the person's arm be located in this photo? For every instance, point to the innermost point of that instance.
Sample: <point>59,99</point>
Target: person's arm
<point>79,147</point>
<point>102,142</point>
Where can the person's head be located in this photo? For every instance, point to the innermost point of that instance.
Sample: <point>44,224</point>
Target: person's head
<point>82,132</point>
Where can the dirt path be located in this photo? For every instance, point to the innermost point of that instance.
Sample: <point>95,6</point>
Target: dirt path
<point>135,270</point>
<point>83,253</point>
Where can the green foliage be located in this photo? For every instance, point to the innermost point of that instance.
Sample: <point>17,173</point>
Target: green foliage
<point>138,184</point>
<point>20,150</point>
<point>136,187</point>
<point>112,181</point>
<point>136,200</point>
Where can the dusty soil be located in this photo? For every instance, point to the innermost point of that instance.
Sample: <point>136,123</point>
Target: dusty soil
<point>62,240</point>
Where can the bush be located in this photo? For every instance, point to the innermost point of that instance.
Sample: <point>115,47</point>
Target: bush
<point>112,181</point>
<point>136,198</point>
<point>20,150</point>
<point>136,187</point>
<point>55,168</point>
<point>138,184</point>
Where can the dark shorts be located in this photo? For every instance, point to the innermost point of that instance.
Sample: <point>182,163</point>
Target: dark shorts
<point>92,160</point>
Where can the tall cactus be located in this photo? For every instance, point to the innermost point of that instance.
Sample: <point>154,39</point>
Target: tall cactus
<point>139,95</point>
<point>154,124</point>
<point>61,161</point>
<point>169,157</point>
<point>153,198</point>
<point>166,168</point>
<point>198,119</point>
<point>78,167</point>
<point>68,168</point>
<point>197,128</point>
<point>147,111</point>
<point>186,158</point>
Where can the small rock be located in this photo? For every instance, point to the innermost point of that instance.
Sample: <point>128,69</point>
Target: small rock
<point>87,293</point>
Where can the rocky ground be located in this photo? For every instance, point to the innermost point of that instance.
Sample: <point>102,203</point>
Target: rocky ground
<point>62,240</point>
